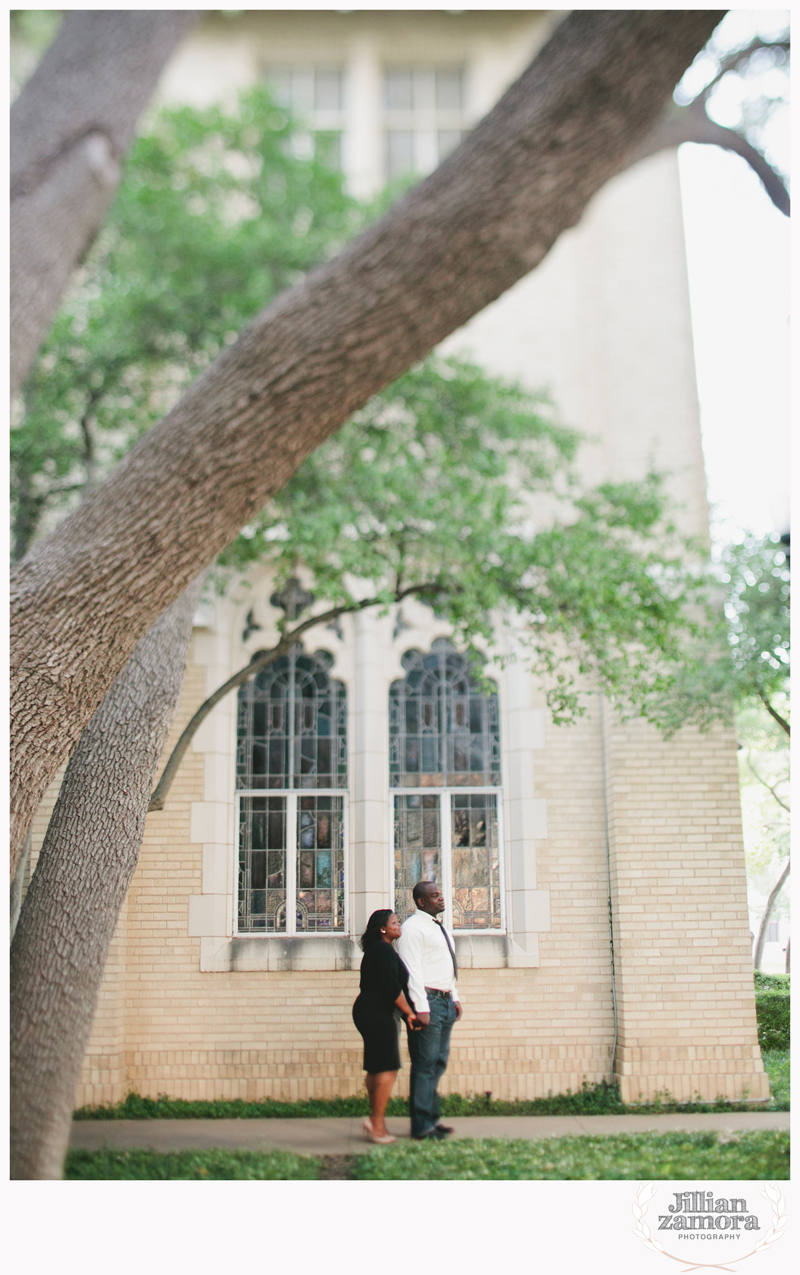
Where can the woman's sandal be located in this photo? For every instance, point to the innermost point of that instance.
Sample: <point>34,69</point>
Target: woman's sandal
<point>366,1128</point>
<point>383,1141</point>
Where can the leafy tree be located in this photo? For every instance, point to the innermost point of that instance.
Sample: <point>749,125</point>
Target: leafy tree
<point>432,490</point>
<point>298,371</point>
<point>742,656</point>
<point>216,215</point>
<point>764,786</point>
<point>737,668</point>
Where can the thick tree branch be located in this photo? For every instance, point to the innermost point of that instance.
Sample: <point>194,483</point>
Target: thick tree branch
<point>782,722</point>
<point>691,124</point>
<point>763,929</point>
<point>260,660</point>
<point>70,129</point>
<point>484,219</point>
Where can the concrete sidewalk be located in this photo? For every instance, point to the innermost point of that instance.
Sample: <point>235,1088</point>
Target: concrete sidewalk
<point>342,1135</point>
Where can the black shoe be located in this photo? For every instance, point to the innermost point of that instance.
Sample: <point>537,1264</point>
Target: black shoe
<point>433,1135</point>
<point>444,1130</point>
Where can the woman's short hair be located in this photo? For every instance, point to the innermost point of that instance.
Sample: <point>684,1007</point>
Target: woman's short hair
<point>372,933</point>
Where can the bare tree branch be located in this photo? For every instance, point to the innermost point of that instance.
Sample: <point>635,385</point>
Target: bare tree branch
<point>734,60</point>
<point>763,781</point>
<point>763,929</point>
<point>691,124</point>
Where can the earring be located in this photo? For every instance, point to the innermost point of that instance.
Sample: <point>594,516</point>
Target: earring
<point>383,931</point>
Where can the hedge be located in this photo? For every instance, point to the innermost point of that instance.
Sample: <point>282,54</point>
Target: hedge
<point>772,1012</point>
<point>771,982</point>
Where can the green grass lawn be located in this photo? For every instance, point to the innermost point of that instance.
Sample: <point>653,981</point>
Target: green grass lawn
<point>673,1156</point>
<point>776,1065</point>
<point>193,1166</point>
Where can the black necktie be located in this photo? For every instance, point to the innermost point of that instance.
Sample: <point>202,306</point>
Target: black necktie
<point>449,946</point>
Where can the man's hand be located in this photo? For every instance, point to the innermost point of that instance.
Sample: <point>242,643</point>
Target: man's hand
<point>423,1019</point>
<point>458,1010</point>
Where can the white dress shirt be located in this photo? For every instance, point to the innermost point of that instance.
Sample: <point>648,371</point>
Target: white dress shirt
<point>423,948</point>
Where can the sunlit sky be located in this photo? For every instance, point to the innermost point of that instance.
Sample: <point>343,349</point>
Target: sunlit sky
<point>737,246</point>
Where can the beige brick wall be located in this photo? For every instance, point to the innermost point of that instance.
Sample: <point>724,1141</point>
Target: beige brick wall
<point>684,977</point>
<point>684,971</point>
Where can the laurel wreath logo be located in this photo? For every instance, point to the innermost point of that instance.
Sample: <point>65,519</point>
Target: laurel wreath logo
<point>642,1232</point>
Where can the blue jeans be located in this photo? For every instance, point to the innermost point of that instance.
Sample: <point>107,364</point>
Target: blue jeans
<point>429,1050</point>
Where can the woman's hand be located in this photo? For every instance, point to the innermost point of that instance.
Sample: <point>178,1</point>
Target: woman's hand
<point>413,1022</point>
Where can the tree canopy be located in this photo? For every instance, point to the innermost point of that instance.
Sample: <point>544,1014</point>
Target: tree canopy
<point>216,215</point>
<point>740,656</point>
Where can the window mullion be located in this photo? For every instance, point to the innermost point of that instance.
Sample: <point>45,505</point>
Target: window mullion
<point>445,832</point>
<point>291,863</point>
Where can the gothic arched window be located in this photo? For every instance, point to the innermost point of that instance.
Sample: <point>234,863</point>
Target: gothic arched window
<point>292,738</point>
<point>444,733</point>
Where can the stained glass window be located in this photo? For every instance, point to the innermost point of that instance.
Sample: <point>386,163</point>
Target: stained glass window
<point>262,864</point>
<point>444,728</point>
<point>292,726</point>
<point>444,733</point>
<point>417,846</point>
<point>292,737</point>
<point>320,865</point>
<point>475,857</point>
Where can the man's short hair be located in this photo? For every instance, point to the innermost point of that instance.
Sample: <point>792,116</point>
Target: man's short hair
<point>421,889</point>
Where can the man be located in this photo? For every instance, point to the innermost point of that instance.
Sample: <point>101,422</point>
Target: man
<point>428,952</point>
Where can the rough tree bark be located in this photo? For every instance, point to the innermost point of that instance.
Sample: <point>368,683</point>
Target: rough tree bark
<point>71,909</point>
<point>18,886</point>
<point>70,128</point>
<point>486,217</point>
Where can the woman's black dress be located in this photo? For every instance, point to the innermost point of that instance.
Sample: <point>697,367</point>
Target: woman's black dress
<point>383,978</point>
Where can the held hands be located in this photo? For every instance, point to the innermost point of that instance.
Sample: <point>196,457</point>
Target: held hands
<point>422,1020</point>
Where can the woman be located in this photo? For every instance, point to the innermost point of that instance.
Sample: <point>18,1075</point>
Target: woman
<point>384,990</point>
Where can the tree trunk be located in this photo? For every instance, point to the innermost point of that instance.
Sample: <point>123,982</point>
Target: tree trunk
<point>765,920</point>
<point>18,886</point>
<point>70,128</point>
<point>70,912</point>
<point>84,596</point>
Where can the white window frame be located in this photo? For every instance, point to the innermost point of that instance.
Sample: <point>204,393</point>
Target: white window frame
<point>445,836</point>
<point>318,119</point>
<point>423,123</point>
<point>291,930</point>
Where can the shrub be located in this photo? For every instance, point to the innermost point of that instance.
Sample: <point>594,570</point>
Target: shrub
<point>772,1012</point>
<point>771,982</point>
